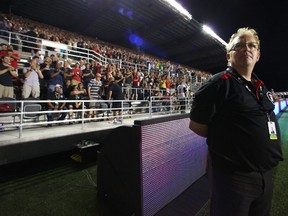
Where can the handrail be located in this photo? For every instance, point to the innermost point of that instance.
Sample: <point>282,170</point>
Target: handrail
<point>21,40</point>
<point>25,41</point>
<point>129,108</point>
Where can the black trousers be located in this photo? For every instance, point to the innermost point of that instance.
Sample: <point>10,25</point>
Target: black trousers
<point>240,194</point>
<point>182,104</point>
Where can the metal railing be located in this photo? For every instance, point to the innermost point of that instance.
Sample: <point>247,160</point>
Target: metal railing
<point>36,116</point>
<point>25,42</point>
<point>22,42</point>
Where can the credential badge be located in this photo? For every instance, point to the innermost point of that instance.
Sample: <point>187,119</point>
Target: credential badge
<point>270,96</point>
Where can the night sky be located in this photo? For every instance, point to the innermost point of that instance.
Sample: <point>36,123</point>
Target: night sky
<point>269,19</point>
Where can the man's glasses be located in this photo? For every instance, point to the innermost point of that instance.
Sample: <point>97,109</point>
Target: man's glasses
<point>240,46</point>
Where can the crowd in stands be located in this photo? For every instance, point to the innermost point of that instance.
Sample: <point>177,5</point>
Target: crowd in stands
<point>86,79</point>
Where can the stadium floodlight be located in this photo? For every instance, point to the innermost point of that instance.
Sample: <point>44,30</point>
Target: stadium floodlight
<point>176,6</point>
<point>209,31</point>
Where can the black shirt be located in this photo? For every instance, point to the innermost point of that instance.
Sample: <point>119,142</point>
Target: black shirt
<point>56,96</point>
<point>116,91</point>
<point>237,119</point>
<point>6,78</point>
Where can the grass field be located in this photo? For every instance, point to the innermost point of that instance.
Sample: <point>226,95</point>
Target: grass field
<point>280,196</point>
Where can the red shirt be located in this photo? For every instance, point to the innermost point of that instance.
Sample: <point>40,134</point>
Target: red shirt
<point>135,81</point>
<point>168,84</point>
<point>14,62</point>
<point>77,74</point>
<point>3,52</point>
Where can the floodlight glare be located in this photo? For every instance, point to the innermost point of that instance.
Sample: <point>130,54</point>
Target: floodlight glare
<point>176,6</point>
<point>209,31</point>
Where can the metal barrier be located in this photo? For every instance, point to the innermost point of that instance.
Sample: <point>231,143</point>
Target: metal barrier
<point>33,113</point>
<point>25,42</point>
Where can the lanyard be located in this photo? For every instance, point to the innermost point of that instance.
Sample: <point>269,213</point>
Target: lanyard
<point>258,94</point>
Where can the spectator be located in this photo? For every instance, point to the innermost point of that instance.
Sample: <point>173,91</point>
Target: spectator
<point>14,57</point>
<point>135,85</point>
<point>175,101</point>
<point>94,89</point>
<point>127,84</point>
<point>7,72</point>
<point>146,90</point>
<point>54,106</point>
<point>32,36</point>
<point>119,78</point>
<point>82,63</point>
<point>67,70</point>
<point>76,105</point>
<point>56,77</point>
<point>168,85</point>
<point>83,92</point>
<point>67,88</point>
<point>182,90</point>
<point>162,83</point>
<point>45,69</point>
<point>3,51</point>
<point>96,67</point>
<point>87,75</point>
<point>39,56</point>
<point>4,25</point>
<point>31,86</point>
<point>54,60</point>
<point>77,74</point>
<point>115,93</point>
<point>57,35</point>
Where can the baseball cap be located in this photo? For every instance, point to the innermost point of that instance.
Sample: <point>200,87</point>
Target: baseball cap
<point>58,85</point>
<point>98,75</point>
